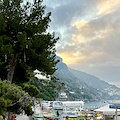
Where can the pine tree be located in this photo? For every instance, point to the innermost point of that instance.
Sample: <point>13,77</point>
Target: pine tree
<point>24,43</point>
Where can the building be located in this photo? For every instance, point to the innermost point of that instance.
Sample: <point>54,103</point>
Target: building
<point>63,96</point>
<point>41,75</point>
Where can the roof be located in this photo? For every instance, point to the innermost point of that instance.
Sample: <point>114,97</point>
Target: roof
<point>37,71</point>
<point>39,75</point>
<point>106,110</point>
<point>115,103</point>
<point>73,103</point>
<point>62,93</point>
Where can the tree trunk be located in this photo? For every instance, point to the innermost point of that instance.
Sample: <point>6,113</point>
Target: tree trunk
<point>12,68</point>
<point>10,76</point>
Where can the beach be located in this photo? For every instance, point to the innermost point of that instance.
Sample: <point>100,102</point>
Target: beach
<point>88,113</point>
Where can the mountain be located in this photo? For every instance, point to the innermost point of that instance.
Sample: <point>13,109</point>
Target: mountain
<point>83,86</point>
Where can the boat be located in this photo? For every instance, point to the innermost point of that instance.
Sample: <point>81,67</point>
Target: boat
<point>49,118</point>
<point>98,116</point>
<point>42,115</point>
<point>89,119</point>
<point>53,117</point>
<point>38,116</point>
<point>70,115</point>
<point>89,114</point>
<point>82,115</point>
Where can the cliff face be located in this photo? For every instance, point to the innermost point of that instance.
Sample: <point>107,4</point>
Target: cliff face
<point>85,86</point>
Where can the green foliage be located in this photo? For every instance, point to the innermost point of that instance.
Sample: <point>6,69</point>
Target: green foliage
<point>39,100</point>
<point>48,89</point>
<point>24,42</point>
<point>24,46</point>
<point>13,98</point>
<point>31,89</point>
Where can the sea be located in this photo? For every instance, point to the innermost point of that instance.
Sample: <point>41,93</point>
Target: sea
<point>98,104</point>
<point>95,104</point>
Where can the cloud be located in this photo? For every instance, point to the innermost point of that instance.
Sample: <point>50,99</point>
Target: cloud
<point>98,53</point>
<point>108,6</point>
<point>63,12</point>
<point>89,33</point>
<point>89,41</point>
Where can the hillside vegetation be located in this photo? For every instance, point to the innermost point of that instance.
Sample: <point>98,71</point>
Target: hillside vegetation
<point>48,89</point>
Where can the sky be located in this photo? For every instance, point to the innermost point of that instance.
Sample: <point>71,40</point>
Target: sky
<point>89,32</point>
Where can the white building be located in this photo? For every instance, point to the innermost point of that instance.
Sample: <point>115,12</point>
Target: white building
<point>41,75</point>
<point>63,96</point>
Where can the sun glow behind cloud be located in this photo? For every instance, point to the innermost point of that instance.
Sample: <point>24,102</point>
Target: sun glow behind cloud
<point>108,6</point>
<point>92,38</point>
